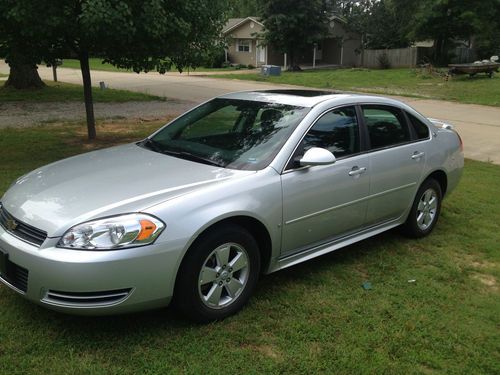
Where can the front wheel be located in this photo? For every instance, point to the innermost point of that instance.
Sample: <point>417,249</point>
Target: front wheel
<point>218,275</point>
<point>425,210</point>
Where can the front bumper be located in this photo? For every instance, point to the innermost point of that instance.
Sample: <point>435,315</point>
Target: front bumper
<point>90,282</point>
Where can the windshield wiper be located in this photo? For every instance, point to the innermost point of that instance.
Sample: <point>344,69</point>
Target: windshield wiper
<point>155,146</point>
<point>152,145</point>
<point>192,157</point>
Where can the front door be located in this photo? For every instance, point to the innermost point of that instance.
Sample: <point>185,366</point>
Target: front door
<point>321,203</point>
<point>261,54</point>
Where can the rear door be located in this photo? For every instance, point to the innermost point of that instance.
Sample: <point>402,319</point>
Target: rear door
<point>396,162</point>
<point>325,202</point>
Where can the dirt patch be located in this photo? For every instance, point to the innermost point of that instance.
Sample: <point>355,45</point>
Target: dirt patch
<point>116,131</point>
<point>487,280</point>
<point>266,350</point>
<point>471,261</point>
<point>22,114</point>
<point>483,264</point>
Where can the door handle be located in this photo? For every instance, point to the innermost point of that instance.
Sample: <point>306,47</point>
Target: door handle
<point>417,155</point>
<point>357,171</point>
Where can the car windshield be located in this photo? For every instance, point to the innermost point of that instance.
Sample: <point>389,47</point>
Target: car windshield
<point>230,133</point>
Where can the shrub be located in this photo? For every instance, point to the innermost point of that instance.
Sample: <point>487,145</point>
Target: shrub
<point>214,58</point>
<point>383,61</point>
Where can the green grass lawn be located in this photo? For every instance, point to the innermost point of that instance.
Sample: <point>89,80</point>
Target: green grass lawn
<point>63,92</point>
<point>312,318</point>
<point>96,64</point>
<point>404,82</point>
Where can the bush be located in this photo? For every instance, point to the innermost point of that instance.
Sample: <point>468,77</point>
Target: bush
<point>214,59</point>
<point>383,61</point>
<point>250,66</point>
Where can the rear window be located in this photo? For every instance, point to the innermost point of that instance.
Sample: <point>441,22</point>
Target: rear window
<point>386,126</point>
<point>421,130</point>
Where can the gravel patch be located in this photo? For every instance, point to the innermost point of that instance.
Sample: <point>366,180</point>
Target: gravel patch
<point>26,114</point>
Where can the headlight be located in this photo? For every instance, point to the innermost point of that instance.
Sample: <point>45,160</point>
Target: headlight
<point>112,233</point>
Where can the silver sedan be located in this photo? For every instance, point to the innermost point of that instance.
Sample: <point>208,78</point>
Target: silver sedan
<point>243,185</point>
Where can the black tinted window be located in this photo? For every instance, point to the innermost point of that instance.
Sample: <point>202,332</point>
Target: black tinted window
<point>386,126</point>
<point>337,131</point>
<point>421,129</point>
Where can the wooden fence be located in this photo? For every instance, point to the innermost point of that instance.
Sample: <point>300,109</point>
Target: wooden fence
<point>397,57</point>
<point>411,57</point>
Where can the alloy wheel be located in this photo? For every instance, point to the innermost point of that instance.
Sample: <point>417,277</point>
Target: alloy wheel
<point>223,276</point>
<point>426,209</point>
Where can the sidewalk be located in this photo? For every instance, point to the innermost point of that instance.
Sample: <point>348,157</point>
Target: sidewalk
<point>479,126</point>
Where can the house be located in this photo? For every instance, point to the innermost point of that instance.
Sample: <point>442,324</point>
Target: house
<point>245,45</point>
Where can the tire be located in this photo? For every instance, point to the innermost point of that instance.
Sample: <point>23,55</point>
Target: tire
<point>425,211</point>
<point>208,286</point>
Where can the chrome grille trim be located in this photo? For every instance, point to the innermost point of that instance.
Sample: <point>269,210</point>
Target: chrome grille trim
<point>86,299</point>
<point>23,231</point>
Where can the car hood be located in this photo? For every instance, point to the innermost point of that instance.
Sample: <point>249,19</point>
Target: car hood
<point>102,183</point>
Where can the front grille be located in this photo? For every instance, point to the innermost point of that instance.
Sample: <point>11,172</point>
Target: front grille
<point>86,299</point>
<point>16,276</point>
<point>21,230</point>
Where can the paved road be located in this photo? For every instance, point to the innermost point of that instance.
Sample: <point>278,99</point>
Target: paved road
<point>478,125</point>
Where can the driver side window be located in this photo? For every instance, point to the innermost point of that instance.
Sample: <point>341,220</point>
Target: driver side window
<point>337,131</point>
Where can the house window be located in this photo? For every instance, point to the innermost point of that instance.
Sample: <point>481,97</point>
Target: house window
<point>244,45</point>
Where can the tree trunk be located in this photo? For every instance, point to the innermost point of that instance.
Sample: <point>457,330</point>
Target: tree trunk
<point>87,93</point>
<point>441,52</point>
<point>24,76</point>
<point>292,65</point>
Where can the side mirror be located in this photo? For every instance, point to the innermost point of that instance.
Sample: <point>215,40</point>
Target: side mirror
<point>317,156</point>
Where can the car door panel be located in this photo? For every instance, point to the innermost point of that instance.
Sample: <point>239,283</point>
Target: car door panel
<point>324,202</point>
<point>396,163</point>
<point>394,177</point>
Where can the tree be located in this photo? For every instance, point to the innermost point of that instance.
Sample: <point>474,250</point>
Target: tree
<point>486,38</point>
<point>141,35</point>
<point>381,23</point>
<point>446,21</point>
<point>244,8</point>
<point>387,25</point>
<point>291,26</point>
<point>398,23</point>
<point>19,28</point>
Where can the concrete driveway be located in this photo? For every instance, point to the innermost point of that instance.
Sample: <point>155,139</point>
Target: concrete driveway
<point>478,125</point>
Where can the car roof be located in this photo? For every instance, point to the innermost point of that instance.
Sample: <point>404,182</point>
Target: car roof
<point>306,98</point>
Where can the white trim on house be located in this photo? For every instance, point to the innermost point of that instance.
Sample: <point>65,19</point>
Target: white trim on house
<point>241,23</point>
<point>342,52</point>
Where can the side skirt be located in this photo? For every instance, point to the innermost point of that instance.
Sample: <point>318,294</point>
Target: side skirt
<point>310,253</point>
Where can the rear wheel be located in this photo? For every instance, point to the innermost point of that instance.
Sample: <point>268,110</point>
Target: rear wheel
<point>425,210</point>
<point>218,275</point>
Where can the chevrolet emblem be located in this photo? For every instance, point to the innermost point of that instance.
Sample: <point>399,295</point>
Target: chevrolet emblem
<point>11,224</point>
